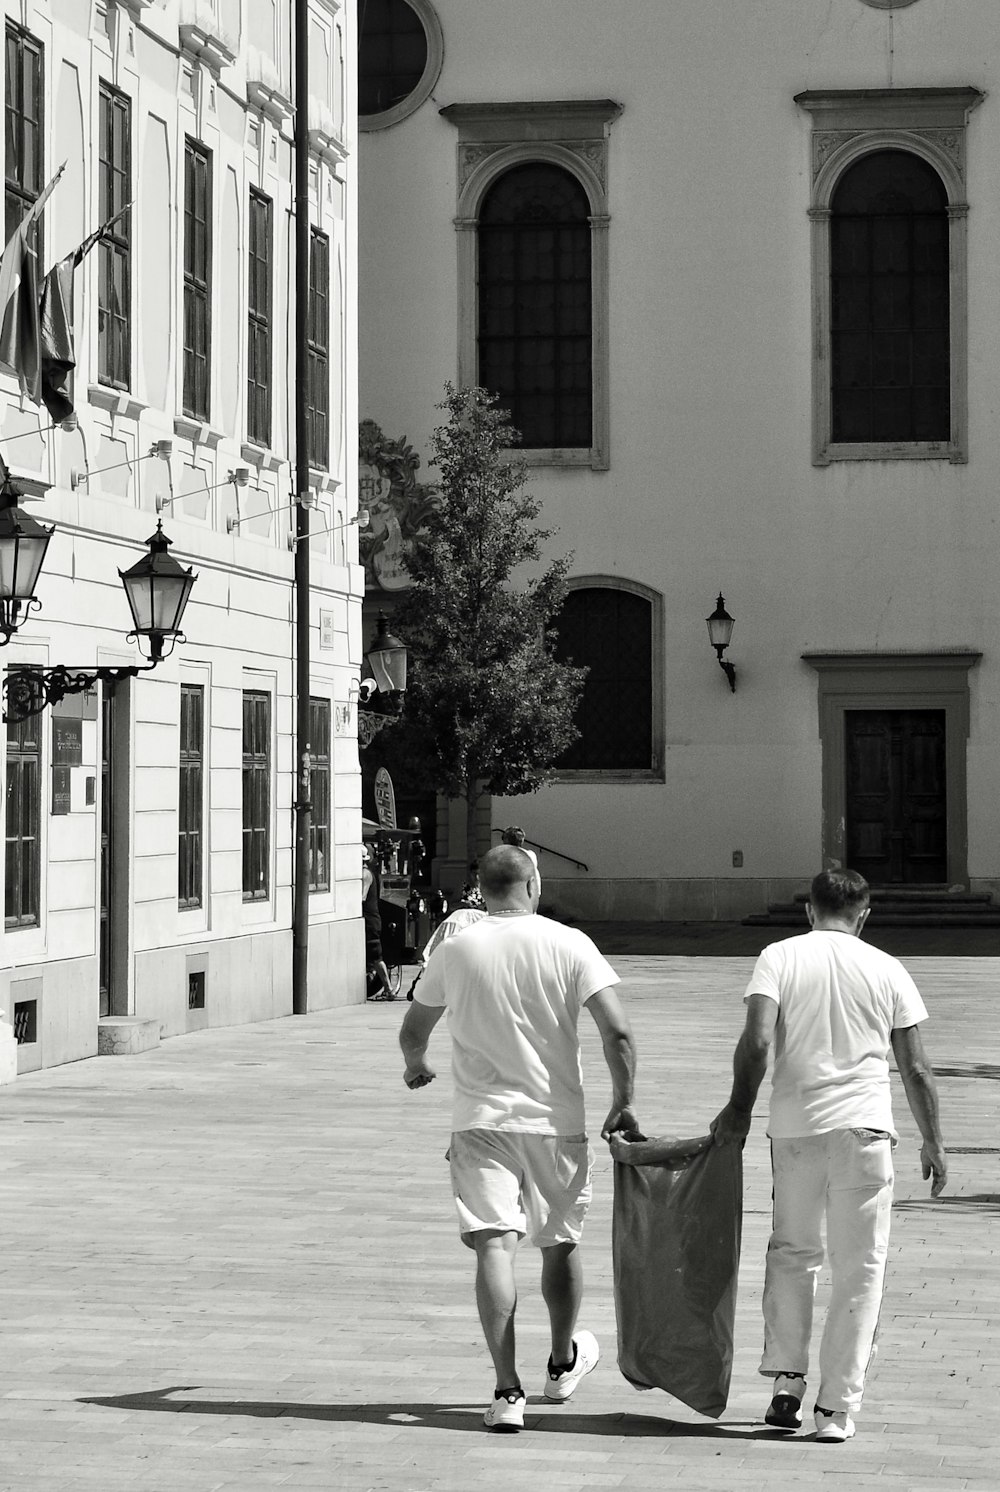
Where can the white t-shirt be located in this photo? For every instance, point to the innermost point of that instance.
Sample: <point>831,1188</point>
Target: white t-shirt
<point>839,1001</point>
<point>455,922</point>
<point>513,987</point>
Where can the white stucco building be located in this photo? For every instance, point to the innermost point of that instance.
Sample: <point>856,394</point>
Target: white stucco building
<point>734,269</point>
<point>149,827</point>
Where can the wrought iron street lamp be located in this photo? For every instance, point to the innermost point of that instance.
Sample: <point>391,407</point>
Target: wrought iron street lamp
<point>387,660</point>
<point>23,543</point>
<point>157,588</point>
<point>720,632</point>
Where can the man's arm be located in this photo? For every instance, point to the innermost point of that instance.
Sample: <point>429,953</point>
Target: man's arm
<point>619,1053</point>
<point>749,1067</point>
<point>921,1095</point>
<point>415,1032</point>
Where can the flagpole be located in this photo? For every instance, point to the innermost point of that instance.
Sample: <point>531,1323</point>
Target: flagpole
<point>303,805</point>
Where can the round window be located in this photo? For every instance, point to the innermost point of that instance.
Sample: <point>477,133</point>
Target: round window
<point>400,51</point>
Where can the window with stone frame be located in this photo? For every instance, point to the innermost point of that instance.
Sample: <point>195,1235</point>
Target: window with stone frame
<point>889,271</point>
<point>190,804</point>
<point>533,274</point>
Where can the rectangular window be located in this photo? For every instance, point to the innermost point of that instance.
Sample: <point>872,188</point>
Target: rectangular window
<point>114,270</point>
<point>259,257</point>
<point>256,795</point>
<point>319,825</point>
<point>23,122</point>
<point>318,338</point>
<point>190,815</point>
<point>197,279</point>
<point>24,821</point>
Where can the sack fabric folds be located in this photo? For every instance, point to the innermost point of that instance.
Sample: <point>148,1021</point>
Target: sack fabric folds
<point>676,1242</point>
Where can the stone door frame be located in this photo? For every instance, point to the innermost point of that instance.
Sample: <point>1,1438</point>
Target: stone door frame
<point>894,681</point>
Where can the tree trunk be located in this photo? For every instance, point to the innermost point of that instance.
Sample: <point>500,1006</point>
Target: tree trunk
<point>471,837</point>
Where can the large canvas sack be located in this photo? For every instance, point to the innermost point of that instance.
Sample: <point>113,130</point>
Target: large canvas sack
<point>676,1241</point>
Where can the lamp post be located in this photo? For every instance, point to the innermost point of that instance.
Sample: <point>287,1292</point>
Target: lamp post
<point>156,586</point>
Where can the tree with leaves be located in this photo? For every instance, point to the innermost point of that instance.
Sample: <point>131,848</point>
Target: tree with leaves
<point>488,705</point>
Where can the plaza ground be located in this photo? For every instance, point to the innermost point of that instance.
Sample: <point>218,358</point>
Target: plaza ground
<point>230,1263</point>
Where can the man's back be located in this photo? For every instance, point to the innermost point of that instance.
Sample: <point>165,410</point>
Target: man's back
<point>513,986</point>
<point>839,1000</point>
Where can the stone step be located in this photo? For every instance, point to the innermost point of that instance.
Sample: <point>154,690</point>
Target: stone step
<point>126,1035</point>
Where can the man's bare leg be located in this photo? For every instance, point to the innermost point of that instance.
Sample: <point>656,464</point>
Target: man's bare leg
<point>496,1297</point>
<point>562,1291</point>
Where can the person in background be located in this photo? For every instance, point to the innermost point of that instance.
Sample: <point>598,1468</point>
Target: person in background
<point>513,986</point>
<point>377,975</point>
<point>833,1006</point>
<point>515,835</point>
<point>468,911</point>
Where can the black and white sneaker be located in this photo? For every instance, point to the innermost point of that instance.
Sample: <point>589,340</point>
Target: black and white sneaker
<point>785,1410</point>
<point>506,1414</point>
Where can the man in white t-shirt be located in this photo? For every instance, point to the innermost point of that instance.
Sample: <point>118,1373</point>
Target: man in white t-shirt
<point>833,1007</point>
<point>513,986</point>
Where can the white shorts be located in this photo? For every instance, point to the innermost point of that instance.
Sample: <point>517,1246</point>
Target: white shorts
<point>538,1185</point>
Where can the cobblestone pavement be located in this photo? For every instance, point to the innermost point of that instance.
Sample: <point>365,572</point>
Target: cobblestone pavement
<point>230,1263</point>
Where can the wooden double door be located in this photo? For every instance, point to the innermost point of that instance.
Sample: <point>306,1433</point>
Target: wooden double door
<point>896,800</point>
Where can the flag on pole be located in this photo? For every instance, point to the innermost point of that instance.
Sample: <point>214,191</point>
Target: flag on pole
<point>58,354</point>
<point>20,331</point>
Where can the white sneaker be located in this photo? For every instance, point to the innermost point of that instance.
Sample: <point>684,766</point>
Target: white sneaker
<point>506,1413</point>
<point>559,1386</point>
<point>833,1427</point>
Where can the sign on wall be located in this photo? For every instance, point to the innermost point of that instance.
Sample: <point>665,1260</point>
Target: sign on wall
<point>385,799</point>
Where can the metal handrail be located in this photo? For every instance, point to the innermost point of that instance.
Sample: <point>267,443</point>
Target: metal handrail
<point>548,851</point>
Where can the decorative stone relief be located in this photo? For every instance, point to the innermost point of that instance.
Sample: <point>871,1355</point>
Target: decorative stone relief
<point>594,153</point>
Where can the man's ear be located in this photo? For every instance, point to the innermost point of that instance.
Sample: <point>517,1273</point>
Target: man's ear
<point>810,914</point>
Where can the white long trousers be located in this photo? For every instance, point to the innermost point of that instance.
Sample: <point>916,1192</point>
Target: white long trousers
<point>846,1176</point>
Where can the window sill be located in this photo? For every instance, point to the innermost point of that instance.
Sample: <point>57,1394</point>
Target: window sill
<point>262,457</point>
<point>918,450</point>
<point>117,402</point>
<point>607,775</point>
<point>198,432</point>
<point>556,456</point>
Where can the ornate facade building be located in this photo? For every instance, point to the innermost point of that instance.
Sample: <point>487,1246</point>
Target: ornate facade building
<point>734,276</point>
<point>148,825</point>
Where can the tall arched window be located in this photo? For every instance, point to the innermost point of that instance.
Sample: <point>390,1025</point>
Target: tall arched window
<point>611,631</point>
<point>534,336</point>
<point>889,283</point>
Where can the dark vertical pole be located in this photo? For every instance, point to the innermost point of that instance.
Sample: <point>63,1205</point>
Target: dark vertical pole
<point>303,806</point>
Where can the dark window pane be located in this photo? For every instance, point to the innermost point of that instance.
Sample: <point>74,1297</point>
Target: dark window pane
<point>535,346</point>
<point>114,278</point>
<point>190,799</point>
<point>196,392</point>
<point>890,302</point>
<point>610,631</point>
<point>318,338</point>
<point>23,825</point>
<point>392,54</point>
<point>256,795</point>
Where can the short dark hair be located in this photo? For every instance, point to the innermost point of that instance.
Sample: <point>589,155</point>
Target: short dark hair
<point>835,892</point>
<point>502,868</point>
<point>513,834</point>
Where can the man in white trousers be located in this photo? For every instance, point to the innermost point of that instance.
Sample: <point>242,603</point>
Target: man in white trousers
<point>833,1006</point>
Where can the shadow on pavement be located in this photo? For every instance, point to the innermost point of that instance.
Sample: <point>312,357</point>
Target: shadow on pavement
<point>435,1416</point>
<point>979,1203</point>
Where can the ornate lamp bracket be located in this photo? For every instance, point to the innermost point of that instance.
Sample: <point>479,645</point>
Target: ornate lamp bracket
<point>28,690</point>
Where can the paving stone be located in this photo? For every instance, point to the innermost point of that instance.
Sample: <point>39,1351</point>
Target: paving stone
<point>238,1269</point>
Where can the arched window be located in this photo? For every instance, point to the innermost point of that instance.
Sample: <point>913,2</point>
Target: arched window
<point>611,631</point>
<point>889,284</point>
<point>534,337</point>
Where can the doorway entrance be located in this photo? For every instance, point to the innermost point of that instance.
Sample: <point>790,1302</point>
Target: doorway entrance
<point>897,823</point>
<point>894,729</point>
